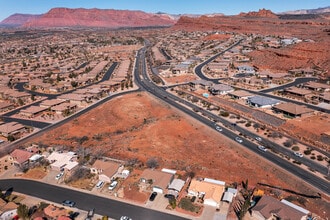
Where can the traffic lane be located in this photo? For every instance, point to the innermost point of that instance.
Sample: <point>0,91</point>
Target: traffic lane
<point>314,165</point>
<point>309,178</point>
<point>103,206</point>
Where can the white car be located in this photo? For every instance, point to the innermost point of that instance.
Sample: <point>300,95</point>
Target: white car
<point>218,128</point>
<point>298,154</point>
<point>99,184</point>
<point>113,185</point>
<point>59,176</point>
<point>258,138</point>
<point>238,139</point>
<point>262,148</point>
<point>125,218</point>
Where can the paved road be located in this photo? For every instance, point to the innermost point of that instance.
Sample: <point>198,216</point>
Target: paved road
<point>85,201</point>
<point>142,79</point>
<point>294,83</point>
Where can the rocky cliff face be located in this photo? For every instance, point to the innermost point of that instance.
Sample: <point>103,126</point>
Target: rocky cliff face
<point>65,17</point>
<point>262,13</point>
<point>18,19</point>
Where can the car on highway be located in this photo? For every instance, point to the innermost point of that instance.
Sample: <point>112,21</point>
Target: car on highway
<point>218,128</point>
<point>112,185</point>
<point>298,154</point>
<point>99,184</point>
<point>59,176</point>
<point>258,138</point>
<point>153,196</point>
<point>125,218</point>
<point>68,203</point>
<point>262,148</point>
<point>238,139</point>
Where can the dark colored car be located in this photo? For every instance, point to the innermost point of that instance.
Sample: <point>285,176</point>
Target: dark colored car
<point>68,203</point>
<point>152,196</point>
<point>169,196</point>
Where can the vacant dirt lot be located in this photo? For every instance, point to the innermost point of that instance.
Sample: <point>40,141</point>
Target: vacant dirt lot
<point>139,126</point>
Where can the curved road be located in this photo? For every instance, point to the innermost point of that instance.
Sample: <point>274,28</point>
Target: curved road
<point>142,79</point>
<point>85,201</point>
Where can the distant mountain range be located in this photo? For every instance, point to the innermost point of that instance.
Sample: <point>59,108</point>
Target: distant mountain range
<point>65,17</point>
<point>308,11</point>
<point>110,18</point>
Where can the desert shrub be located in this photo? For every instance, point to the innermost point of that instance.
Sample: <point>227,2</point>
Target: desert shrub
<point>248,124</point>
<point>296,162</point>
<point>224,113</point>
<point>307,152</point>
<point>295,148</point>
<point>313,157</point>
<point>289,143</point>
<point>256,125</point>
<point>152,163</point>
<point>319,157</point>
<point>186,204</point>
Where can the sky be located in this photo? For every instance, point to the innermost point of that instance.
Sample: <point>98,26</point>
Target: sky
<point>228,7</point>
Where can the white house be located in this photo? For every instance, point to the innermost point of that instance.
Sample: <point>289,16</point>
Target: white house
<point>65,161</point>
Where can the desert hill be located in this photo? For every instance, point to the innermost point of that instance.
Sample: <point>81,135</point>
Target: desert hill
<point>65,17</point>
<point>16,20</point>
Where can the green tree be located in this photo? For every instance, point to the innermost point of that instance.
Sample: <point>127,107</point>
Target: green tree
<point>10,138</point>
<point>23,211</point>
<point>247,195</point>
<point>20,101</point>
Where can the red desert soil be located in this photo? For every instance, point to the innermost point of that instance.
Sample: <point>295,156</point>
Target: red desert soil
<point>140,126</point>
<point>317,125</point>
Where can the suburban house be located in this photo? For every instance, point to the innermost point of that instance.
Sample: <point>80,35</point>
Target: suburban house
<point>12,128</point>
<point>246,69</point>
<point>220,89</point>
<point>51,102</point>
<point>292,110</point>
<point>271,208</point>
<point>203,84</point>
<point>4,106</point>
<point>262,101</point>
<point>20,157</point>
<point>209,190</point>
<point>298,92</point>
<point>240,94</point>
<point>229,195</point>
<point>60,161</point>
<point>175,187</point>
<point>325,97</point>
<point>64,108</point>
<point>158,180</point>
<point>106,170</point>
<point>7,210</point>
<point>33,111</point>
<point>315,86</point>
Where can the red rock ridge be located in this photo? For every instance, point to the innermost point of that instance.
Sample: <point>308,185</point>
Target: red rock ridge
<point>65,17</point>
<point>18,19</point>
<point>262,13</point>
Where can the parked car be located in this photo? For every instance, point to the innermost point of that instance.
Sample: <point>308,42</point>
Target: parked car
<point>218,128</point>
<point>59,176</point>
<point>262,148</point>
<point>68,203</point>
<point>125,218</point>
<point>99,184</point>
<point>90,213</point>
<point>113,185</point>
<point>74,215</point>
<point>298,154</point>
<point>239,140</point>
<point>153,196</point>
